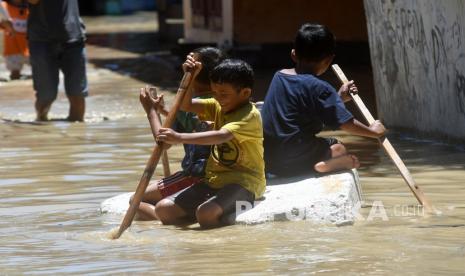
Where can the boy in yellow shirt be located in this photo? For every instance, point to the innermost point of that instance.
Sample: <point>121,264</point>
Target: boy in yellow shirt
<point>195,159</point>
<point>235,168</point>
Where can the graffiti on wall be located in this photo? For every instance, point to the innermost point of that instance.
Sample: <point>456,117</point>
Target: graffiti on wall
<point>445,43</point>
<point>418,55</point>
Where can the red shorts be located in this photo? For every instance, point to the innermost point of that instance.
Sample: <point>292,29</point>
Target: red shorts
<point>176,182</point>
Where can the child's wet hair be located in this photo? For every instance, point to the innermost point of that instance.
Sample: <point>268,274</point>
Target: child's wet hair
<point>235,72</point>
<point>314,42</point>
<point>209,57</point>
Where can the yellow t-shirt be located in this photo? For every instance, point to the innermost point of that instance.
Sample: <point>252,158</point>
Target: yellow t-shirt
<point>240,160</point>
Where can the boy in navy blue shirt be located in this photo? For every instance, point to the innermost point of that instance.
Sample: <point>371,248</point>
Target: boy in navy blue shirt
<point>298,105</point>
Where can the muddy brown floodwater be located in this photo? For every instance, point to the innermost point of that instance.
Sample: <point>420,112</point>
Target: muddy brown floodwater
<point>53,177</point>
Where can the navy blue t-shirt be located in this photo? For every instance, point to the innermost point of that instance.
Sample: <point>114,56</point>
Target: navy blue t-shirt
<point>296,108</point>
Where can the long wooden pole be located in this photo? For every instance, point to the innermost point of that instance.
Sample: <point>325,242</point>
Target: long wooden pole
<point>387,146</point>
<point>154,125</point>
<point>164,159</point>
<point>155,157</point>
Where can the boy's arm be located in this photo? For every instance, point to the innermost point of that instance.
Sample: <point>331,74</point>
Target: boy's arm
<point>188,104</point>
<point>7,26</point>
<point>213,137</point>
<point>3,13</point>
<point>191,105</point>
<point>154,122</point>
<point>5,20</point>
<point>375,130</point>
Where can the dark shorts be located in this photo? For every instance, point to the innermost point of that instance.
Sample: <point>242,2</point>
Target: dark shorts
<point>48,58</point>
<point>300,161</point>
<point>226,197</point>
<point>322,149</point>
<point>176,182</point>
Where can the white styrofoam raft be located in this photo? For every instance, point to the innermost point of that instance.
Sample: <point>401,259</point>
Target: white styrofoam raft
<point>333,199</point>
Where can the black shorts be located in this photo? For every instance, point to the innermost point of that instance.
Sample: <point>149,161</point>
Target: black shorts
<point>322,149</point>
<point>191,198</point>
<point>300,159</point>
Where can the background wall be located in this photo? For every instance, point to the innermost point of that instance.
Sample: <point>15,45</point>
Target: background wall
<point>276,21</point>
<point>418,57</point>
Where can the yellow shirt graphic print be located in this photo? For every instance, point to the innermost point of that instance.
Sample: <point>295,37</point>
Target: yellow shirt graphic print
<point>226,154</point>
<point>240,160</point>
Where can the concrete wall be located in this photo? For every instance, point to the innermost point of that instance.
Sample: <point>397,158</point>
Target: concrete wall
<point>418,57</point>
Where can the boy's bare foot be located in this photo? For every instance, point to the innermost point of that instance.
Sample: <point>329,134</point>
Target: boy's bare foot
<point>77,107</point>
<point>73,119</point>
<point>41,118</point>
<point>42,111</point>
<point>146,211</point>
<point>343,162</point>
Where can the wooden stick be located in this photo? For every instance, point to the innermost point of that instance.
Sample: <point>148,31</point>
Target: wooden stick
<point>154,125</point>
<point>152,163</point>
<point>164,159</point>
<point>388,148</point>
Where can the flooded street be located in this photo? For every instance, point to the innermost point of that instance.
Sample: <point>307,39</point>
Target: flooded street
<point>54,175</point>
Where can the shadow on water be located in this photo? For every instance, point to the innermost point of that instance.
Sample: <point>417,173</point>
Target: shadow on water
<point>438,156</point>
<point>134,42</point>
<point>149,61</point>
<point>155,69</point>
<point>141,57</point>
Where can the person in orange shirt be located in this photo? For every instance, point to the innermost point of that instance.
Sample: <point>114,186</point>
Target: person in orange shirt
<point>15,48</point>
